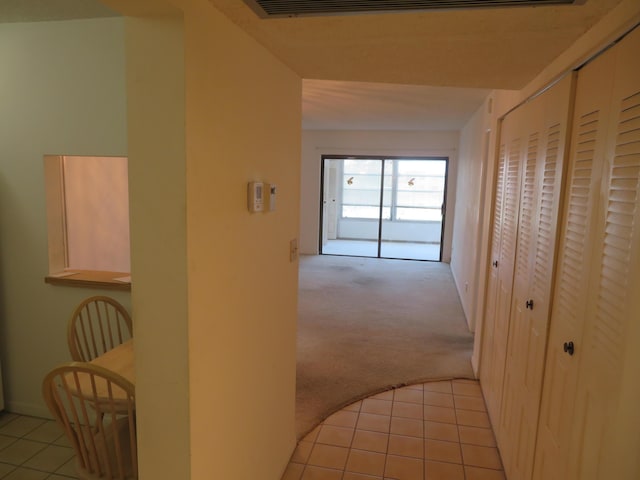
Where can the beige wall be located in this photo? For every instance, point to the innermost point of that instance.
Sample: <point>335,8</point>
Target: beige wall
<point>50,73</point>
<point>243,124</point>
<point>214,290</point>
<point>316,143</point>
<point>157,185</point>
<point>473,162</point>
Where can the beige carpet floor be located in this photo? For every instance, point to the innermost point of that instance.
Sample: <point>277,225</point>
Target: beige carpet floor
<point>366,325</point>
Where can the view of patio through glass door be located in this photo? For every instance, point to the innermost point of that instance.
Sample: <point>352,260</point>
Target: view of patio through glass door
<point>386,207</point>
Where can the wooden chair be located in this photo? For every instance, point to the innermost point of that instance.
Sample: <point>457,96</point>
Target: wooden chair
<point>96,409</point>
<point>97,325</point>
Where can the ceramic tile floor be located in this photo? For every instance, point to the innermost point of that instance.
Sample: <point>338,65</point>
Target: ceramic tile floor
<point>430,431</point>
<point>33,449</point>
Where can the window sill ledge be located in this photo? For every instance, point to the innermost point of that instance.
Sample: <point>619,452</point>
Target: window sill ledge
<point>91,279</point>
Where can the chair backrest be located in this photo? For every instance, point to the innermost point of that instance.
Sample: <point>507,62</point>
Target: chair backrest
<point>96,409</point>
<point>97,325</point>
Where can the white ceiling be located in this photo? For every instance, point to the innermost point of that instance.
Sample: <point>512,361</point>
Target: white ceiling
<point>427,70</point>
<point>337,105</point>
<point>398,71</point>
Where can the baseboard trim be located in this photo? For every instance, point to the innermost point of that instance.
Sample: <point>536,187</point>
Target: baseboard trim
<point>30,409</point>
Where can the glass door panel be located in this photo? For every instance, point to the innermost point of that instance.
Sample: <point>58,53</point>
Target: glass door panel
<point>357,223</point>
<point>414,229</point>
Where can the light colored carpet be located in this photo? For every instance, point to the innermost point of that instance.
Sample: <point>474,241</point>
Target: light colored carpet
<point>366,325</point>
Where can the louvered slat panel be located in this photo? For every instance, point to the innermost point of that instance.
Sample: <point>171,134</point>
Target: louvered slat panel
<point>608,335</point>
<point>527,208</point>
<point>571,272</point>
<point>545,237</point>
<point>511,200</point>
<point>497,217</point>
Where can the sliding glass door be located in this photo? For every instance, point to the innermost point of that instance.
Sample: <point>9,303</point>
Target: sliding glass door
<point>383,207</point>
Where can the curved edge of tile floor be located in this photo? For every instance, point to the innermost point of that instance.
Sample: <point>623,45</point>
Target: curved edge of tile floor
<point>436,430</point>
<point>377,391</point>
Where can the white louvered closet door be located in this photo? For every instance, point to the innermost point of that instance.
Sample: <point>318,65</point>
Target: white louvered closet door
<point>607,348</point>
<point>493,363</point>
<point>574,262</point>
<point>488,338</point>
<point>532,112</point>
<point>596,309</point>
<point>547,119</point>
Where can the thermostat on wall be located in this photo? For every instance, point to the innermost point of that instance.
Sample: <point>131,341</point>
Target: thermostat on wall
<point>255,196</point>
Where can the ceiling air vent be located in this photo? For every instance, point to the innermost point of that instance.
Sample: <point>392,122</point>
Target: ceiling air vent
<point>300,8</point>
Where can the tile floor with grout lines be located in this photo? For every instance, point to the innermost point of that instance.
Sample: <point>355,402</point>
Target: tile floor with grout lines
<point>33,449</point>
<point>431,431</point>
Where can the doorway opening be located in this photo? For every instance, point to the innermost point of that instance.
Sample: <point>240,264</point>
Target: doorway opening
<point>383,207</point>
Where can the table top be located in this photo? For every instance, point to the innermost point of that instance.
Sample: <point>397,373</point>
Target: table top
<point>120,360</point>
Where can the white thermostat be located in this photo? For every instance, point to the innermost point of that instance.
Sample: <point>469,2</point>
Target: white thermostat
<point>255,196</point>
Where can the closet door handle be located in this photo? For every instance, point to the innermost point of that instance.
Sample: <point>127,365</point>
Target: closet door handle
<point>495,263</point>
<point>569,348</point>
<point>529,304</point>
